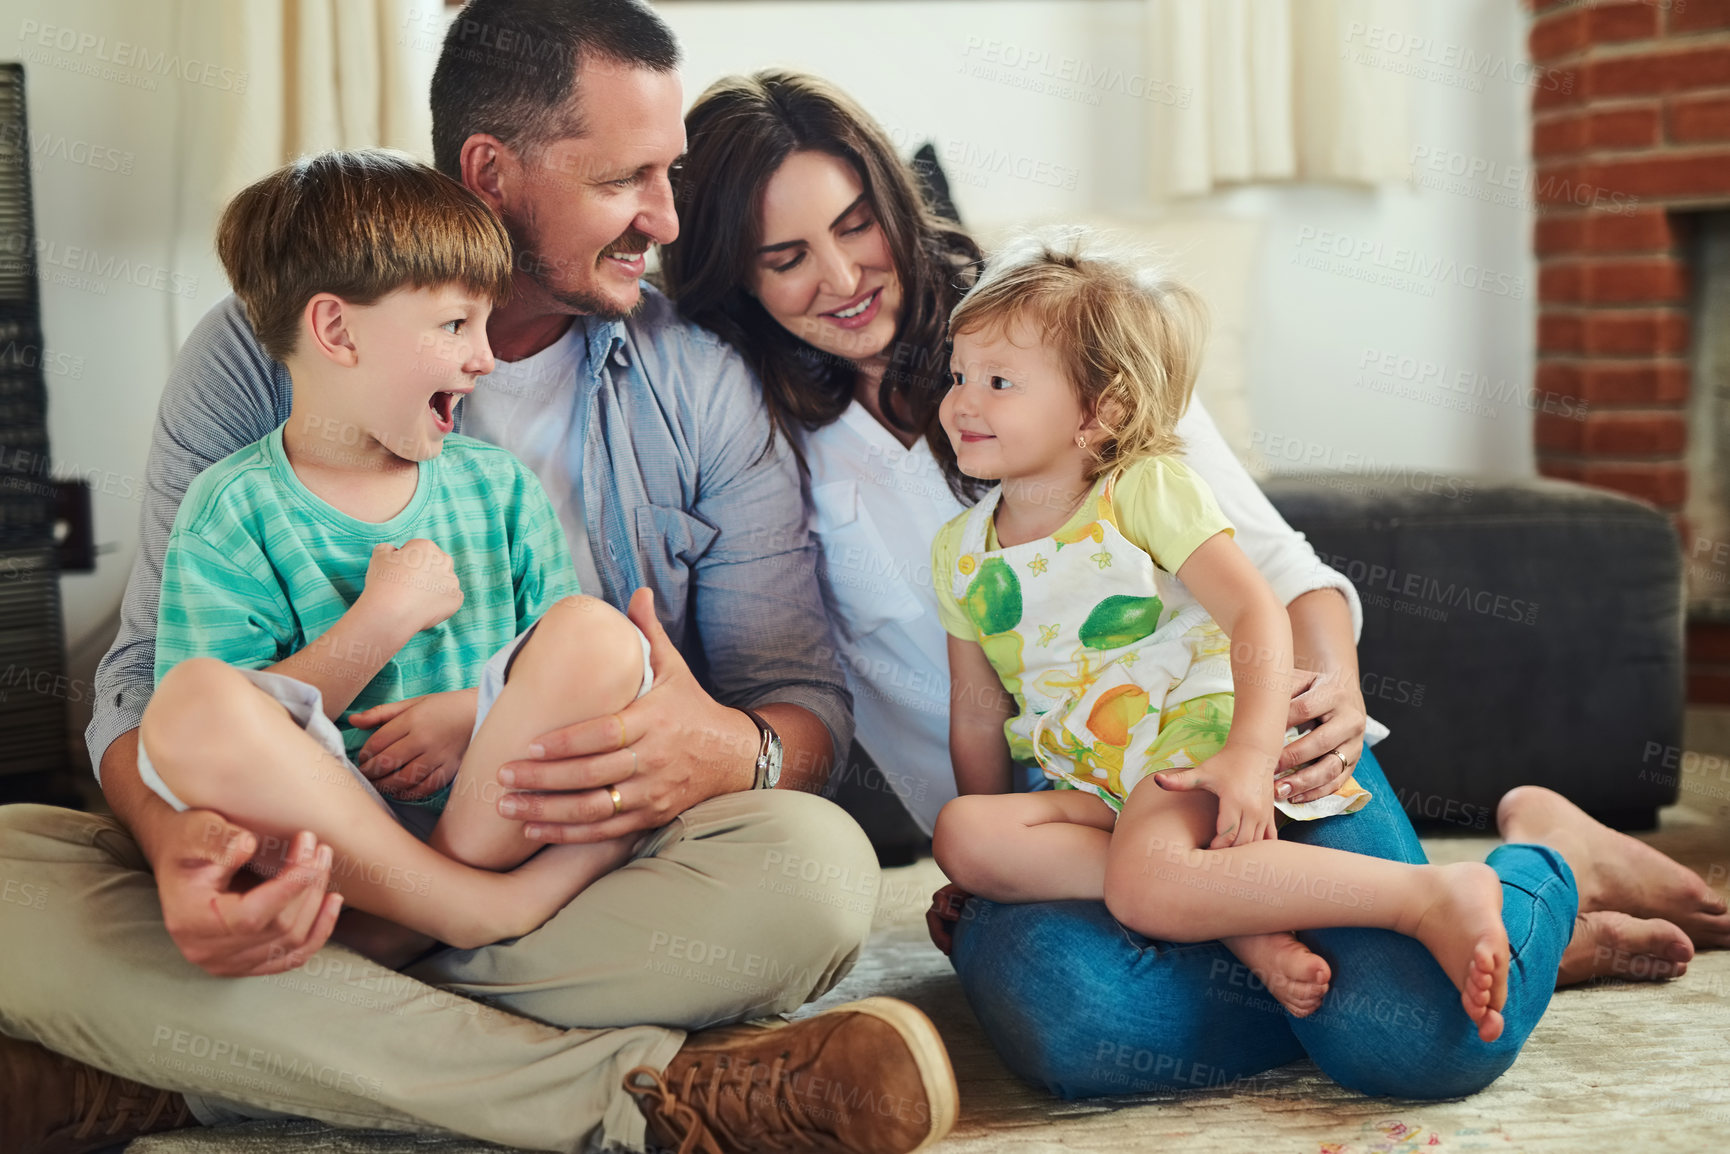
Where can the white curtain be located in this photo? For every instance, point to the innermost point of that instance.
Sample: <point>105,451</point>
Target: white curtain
<point>1275,90</point>
<point>296,76</point>
<point>328,74</point>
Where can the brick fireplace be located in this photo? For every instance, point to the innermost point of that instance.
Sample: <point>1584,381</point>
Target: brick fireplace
<point>1630,137</point>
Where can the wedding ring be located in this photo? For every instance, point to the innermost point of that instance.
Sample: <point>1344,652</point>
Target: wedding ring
<point>618,802</point>
<point>1344,764</point>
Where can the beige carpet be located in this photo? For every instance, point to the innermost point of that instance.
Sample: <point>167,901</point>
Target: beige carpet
<point>1613,1067</point>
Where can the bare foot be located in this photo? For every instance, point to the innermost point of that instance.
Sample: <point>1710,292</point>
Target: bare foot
<point>547,882</point>
<point>1615,871</point>
<point>1462,927</point>
<point>1609,944</point>
<point>1296,977</point>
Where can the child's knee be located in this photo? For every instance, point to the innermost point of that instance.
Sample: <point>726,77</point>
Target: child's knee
<point>586,637</point>
<point>1144,892</point>
<point>200,705</point>
<point>959,836</point>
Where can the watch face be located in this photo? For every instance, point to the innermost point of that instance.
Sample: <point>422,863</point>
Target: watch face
<point>768,765</point>
<point>773,757</point>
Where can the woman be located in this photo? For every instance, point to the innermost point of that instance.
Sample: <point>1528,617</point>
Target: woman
<point>845,330</point>
<point>805,243</point>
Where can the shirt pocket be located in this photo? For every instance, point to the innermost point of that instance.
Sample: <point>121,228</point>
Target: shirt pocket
<point>670,542</point>
<point>865,585</point>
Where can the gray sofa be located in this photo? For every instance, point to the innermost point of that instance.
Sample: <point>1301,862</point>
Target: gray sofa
<point>1514,632</point>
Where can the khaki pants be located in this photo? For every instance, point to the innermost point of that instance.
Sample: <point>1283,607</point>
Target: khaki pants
<point>750,904</point>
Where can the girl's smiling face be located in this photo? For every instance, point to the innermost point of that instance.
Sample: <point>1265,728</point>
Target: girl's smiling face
<point>1011,412</point>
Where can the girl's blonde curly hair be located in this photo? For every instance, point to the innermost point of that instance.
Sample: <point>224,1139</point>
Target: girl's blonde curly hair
<point>1129,338</point>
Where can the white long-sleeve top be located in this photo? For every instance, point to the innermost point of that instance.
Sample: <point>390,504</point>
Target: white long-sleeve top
<point>876,506</point>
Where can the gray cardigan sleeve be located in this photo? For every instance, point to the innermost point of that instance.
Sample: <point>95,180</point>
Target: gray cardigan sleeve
<point>224,392</point>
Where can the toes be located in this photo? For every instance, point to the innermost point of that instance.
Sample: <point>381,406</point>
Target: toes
<point>1490,1027</point>
<point>1490,973</point>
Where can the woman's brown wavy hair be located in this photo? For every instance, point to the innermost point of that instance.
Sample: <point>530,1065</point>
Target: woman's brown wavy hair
<point>738,134</point>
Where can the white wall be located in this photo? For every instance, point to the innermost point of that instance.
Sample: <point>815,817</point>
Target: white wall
<point>945,70</point>
<point>127,99</point>
<point>926,69</point>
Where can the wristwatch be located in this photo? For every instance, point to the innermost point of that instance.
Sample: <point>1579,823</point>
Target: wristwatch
<point>768,753</point>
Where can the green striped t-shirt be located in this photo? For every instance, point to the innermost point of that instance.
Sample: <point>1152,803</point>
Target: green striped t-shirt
<point>258,566</point>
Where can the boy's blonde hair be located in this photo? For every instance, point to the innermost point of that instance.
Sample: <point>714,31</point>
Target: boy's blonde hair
<point>1129,339</point>
<point>358,224</point>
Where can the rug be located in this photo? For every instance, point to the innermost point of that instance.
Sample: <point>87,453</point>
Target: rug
<point>1613,1066</point>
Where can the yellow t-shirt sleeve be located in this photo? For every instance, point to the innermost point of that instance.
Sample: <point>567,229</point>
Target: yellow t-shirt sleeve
<point>1165,507</point>
<point>945,551</point>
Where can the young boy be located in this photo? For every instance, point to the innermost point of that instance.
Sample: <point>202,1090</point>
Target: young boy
<point>361,554</point>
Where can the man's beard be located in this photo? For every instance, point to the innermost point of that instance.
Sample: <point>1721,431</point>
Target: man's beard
<point>584,301</point>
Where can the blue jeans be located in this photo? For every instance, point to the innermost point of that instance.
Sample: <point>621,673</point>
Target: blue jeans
<point>1076,1003</point>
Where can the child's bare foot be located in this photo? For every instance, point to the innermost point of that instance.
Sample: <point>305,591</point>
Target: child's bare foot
<point>1296,977</point>
<point>528,896</point>
<point>1615,871</point>
<point>1609,944</point>
<point>1462,927</point>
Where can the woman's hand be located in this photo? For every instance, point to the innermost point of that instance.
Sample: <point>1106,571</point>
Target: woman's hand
<point>944,914</point>
<point>1241,778</point>
<point>418,742</point>
<point>1336,704</point>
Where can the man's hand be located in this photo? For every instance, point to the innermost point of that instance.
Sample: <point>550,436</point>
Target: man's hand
<point>664,752</point>
<point>1242,779</point>
<point>269,929</point>
<point>419,742</point>
<point>1337,704</point>
<point>415,586</point>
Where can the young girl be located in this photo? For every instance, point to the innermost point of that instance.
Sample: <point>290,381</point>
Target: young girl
<point>1104,625</point>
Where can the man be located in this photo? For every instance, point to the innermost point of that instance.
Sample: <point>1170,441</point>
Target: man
<point>745,902</point>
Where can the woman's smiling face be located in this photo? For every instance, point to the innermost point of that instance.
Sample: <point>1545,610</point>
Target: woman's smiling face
<point>824,271</point>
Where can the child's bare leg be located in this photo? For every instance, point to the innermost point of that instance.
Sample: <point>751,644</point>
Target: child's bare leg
<point>223,744</point>
<point>1049,845</point>
<point>1159,882</point>
<point>584,660</point>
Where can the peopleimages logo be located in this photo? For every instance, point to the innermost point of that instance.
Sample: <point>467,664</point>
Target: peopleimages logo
<point>93,52</point>
<point>1511,185</point>
<point>89,270</point>
<point>1430,379</point>
<point>1444,61</point>
<point>1398,266</point>
<point>1067,77</point>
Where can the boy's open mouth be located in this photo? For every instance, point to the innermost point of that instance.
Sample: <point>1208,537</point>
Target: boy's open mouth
<point>444,407</point>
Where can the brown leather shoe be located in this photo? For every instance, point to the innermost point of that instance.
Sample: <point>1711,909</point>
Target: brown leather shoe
<point>53,1105</point>
<point>869,1076</point>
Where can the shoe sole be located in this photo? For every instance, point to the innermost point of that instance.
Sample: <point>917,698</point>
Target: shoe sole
<point>926,1045</point>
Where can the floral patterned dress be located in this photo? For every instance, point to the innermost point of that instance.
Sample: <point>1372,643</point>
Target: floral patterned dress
<point>1118,670</point>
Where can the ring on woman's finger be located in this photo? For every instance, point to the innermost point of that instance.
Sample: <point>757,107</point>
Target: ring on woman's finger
<point>618,802</point>
<point>1345,765</point>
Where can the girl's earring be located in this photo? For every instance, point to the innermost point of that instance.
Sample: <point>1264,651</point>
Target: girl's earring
<point>1080,441</point>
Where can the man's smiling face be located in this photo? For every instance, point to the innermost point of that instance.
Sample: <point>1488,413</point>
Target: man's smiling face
<point>583,210</point>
